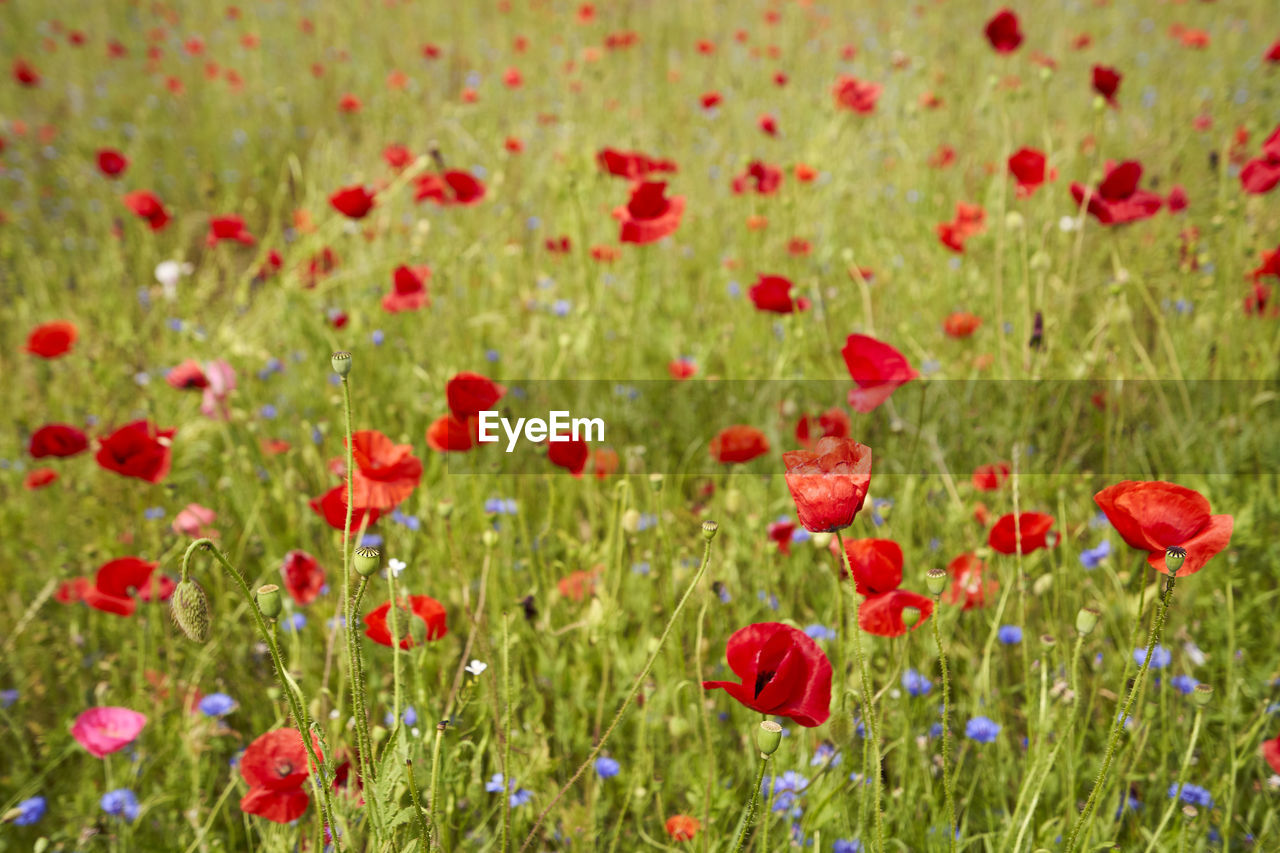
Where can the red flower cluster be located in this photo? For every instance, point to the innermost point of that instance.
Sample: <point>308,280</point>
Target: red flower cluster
<point>1118,199</point>
<point>782,672</point>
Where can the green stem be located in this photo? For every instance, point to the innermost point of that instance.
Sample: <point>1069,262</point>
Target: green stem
<point>419,818</point>
<point>869,711</point>
<point>506,732</point>
<point>748,814</point>
<point>435,782</point>
<point>1182,774</point>
<point>708,534</point>
<point>1117,727</point>
<point>947,782</point>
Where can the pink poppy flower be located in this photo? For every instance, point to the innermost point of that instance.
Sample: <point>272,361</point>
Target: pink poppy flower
<point>104,730</point>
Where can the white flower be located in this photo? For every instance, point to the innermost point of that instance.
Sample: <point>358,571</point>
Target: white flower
<point>168,273</point>
<point>395,567</point>
<point>1067,224</point>
<point>476,667</point>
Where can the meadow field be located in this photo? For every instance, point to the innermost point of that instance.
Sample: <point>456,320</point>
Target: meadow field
<point>934,347</point>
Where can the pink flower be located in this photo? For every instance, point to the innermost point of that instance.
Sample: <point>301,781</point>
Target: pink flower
<point>222,381</point>
<point>107,729</point>
<point>192,520</point>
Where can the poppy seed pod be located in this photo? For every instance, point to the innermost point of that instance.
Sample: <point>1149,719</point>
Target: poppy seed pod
<point>709,529</point>
<point>189,607</point>
<point>1087,620</point>
<point>910,616</point>
<point>341,363</point>
<point>1202,694</point>
<point>269,601</point>
<point>366,561</point>
<point>936,581</point>
<point>769,737</point>
<point>1174,558</point>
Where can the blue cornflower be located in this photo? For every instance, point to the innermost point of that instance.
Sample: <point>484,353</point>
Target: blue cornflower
<point>217,705</point>
<point>561,307</point>
<point>825,754</point>
<point>520,797</point>
<point>1160,657</point>
<point>1193,794</point>
<point>410,521</point>
<point>1129,803</point>
<point>878,504</point>
<point>377,337</point>
<point>494,784</point>
<point>153,513</point>
<point>267,412</point>
<point>371,540</point>
<point>641,568</point>
<point>916,684</point>
<point>981,729</point>
<point>785,789</point>
<point>723,594</point>
<point>1091,558</point>
<point>8,697</point>
<point>1184,684</point>
<point>410,717</point>
<point>1010,635</point>
<point>121,803</point>
<point>847,846</point>
<point>296,622</point>
<point>30,811</point>
<point>768,598</point>
<point>935,730</point>
<point>820,632</point>
<point>606,767</point>
<point>491,355</point>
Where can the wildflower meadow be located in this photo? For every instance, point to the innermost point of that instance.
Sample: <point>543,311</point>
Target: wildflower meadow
<point>539,425</point>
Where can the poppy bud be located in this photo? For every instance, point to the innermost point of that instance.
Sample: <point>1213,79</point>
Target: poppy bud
<point>444,509</point>
<point>936,581</point>
<point>366,561</point>
<point>841,726</point>
<point>189,607</point>
<point>1174,558</point>
<point>709,529</point>
<point>341,363</point>
<point>1202,694</point>
<point>769,738</point>
<point>1087,620</point>
<point>910,616</point>
<point>631,521</point>
<point>655,482</point>
<point>269,600</point>
<point>489,538</point>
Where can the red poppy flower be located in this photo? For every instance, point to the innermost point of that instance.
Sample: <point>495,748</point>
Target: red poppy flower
<point>112,163</point>
<point>780,533</point>
<point>569,454</point>
<point>1270,265</point>
<point>760,178</point>
<point>71,591</point>
<point>354,202</point>
<point>276,767</point>
<point>968,587</point>
<point>1027,166</point>
<point>397,156</point>
<point>1177,199</point>
<point>876,564</point>
<point>829,483</point>
<point>408,289</point>
<point>1273,55</point>
<point>1032,528</point>
<point>969,220</point>
<point>710,100</point>
<point>449,434</point>
<point>768,125</point>
<point>117,580</point>
<point>1270,749</point>
<point>421,607</point>
<point>882,614</point>
<point>632,165</point>
<point>1262,174</point>
<point>51,340</point>
<point>25,73</point>
<point>576,586</point>
<point>470,394</point>
<point>783,672</point>
<point>386,473</point>
<point>38,478</point>
<point>303,577</point>
<point>739,443</point>
<point>833,422</point>
<point>139,449</point>
<point>228,228</point>
<point>773,293</point>
<point>682,827</point>
<point>59,440</point>
<point>961,324</point>
<point>188,375</point>
<point>1106,82</point>
<point>449,188</point>
<point>860,96</point>
<point>649,215</point>
<point>1003,32</point>
<point>332,507</point>
<point>1154,516</point>
<point>1118,199</point>
<point>877,369</point>
<point>146,205</point>
<point>604,462</point>
<point>989,478</point>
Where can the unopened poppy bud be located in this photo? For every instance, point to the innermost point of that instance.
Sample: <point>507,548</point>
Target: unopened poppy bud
<point>709,529</point>
<point>631,521</point>
<point>269,600</point>
<point>189,607</point>
<point>936,581</point>
<point>1174,558</point>
<point>444,509</point>
<point>1202,694</point>
<point>656,482</point>
<point>1087,620</point>
<point>341,362</point>
<point>769,737</point>
<point>366,561</point>
<point>489,538</point>
<point>841,727</point>
<point>910,616</point>
<point>822,539</point>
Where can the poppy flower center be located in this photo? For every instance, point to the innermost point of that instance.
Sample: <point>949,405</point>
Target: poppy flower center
<point>284,768</point>
<point>762,681</point>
